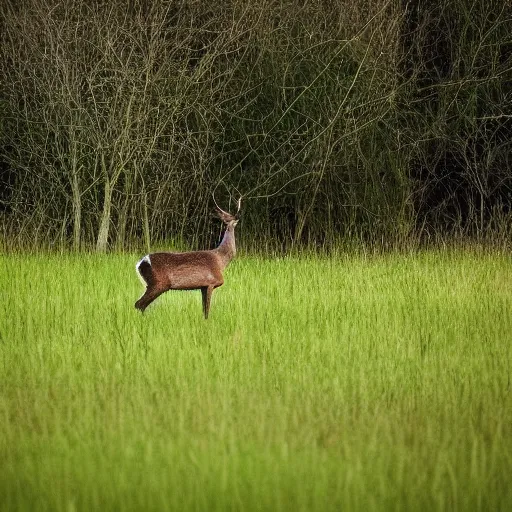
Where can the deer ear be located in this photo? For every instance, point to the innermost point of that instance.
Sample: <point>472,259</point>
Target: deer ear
<point>224,216</point>
<point>219,213</point>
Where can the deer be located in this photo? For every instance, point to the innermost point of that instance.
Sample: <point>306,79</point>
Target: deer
<point>194,270</point>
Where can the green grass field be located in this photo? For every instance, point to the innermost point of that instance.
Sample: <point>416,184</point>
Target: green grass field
<point>341,383</point>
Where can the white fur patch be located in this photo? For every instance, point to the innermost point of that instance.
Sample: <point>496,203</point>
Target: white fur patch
<point>145,258</point>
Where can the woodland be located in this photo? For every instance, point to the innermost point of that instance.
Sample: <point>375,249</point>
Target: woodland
<point>383,122</point>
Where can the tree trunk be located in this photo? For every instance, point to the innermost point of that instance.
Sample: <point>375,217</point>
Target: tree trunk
<point>102,240</point>
<point>77,212</point>
<point>147,232</point>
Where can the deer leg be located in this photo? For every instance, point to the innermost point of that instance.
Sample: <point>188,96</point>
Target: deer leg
<point>206,291</point>
<point>149,296</point>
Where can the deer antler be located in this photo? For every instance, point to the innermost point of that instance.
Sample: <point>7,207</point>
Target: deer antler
<point>223,214</point>
<point>216,205</point>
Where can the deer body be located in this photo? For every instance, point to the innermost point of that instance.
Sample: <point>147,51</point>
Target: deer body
<point>196,270</point>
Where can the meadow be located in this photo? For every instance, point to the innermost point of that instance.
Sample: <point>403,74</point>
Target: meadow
<point>318,383</point>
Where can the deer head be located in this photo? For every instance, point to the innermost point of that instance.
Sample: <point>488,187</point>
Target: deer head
<point>228,218</point>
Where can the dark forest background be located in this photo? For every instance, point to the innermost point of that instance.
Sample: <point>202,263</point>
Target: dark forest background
<point>340,122</point>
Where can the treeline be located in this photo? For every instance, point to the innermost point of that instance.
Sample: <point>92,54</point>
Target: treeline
<point>384,122</point>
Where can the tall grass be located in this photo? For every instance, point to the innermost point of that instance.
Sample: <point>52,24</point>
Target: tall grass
<point>341,383</point>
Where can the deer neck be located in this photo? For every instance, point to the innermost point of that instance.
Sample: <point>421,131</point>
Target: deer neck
<point>227,248</point>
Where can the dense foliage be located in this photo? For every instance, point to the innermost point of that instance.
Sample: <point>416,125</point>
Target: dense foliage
<point>386,122</point>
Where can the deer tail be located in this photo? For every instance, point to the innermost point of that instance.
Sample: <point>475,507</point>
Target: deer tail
<point>144,270</point>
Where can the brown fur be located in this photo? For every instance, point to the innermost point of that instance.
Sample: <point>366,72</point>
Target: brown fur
<point>198,270</point>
